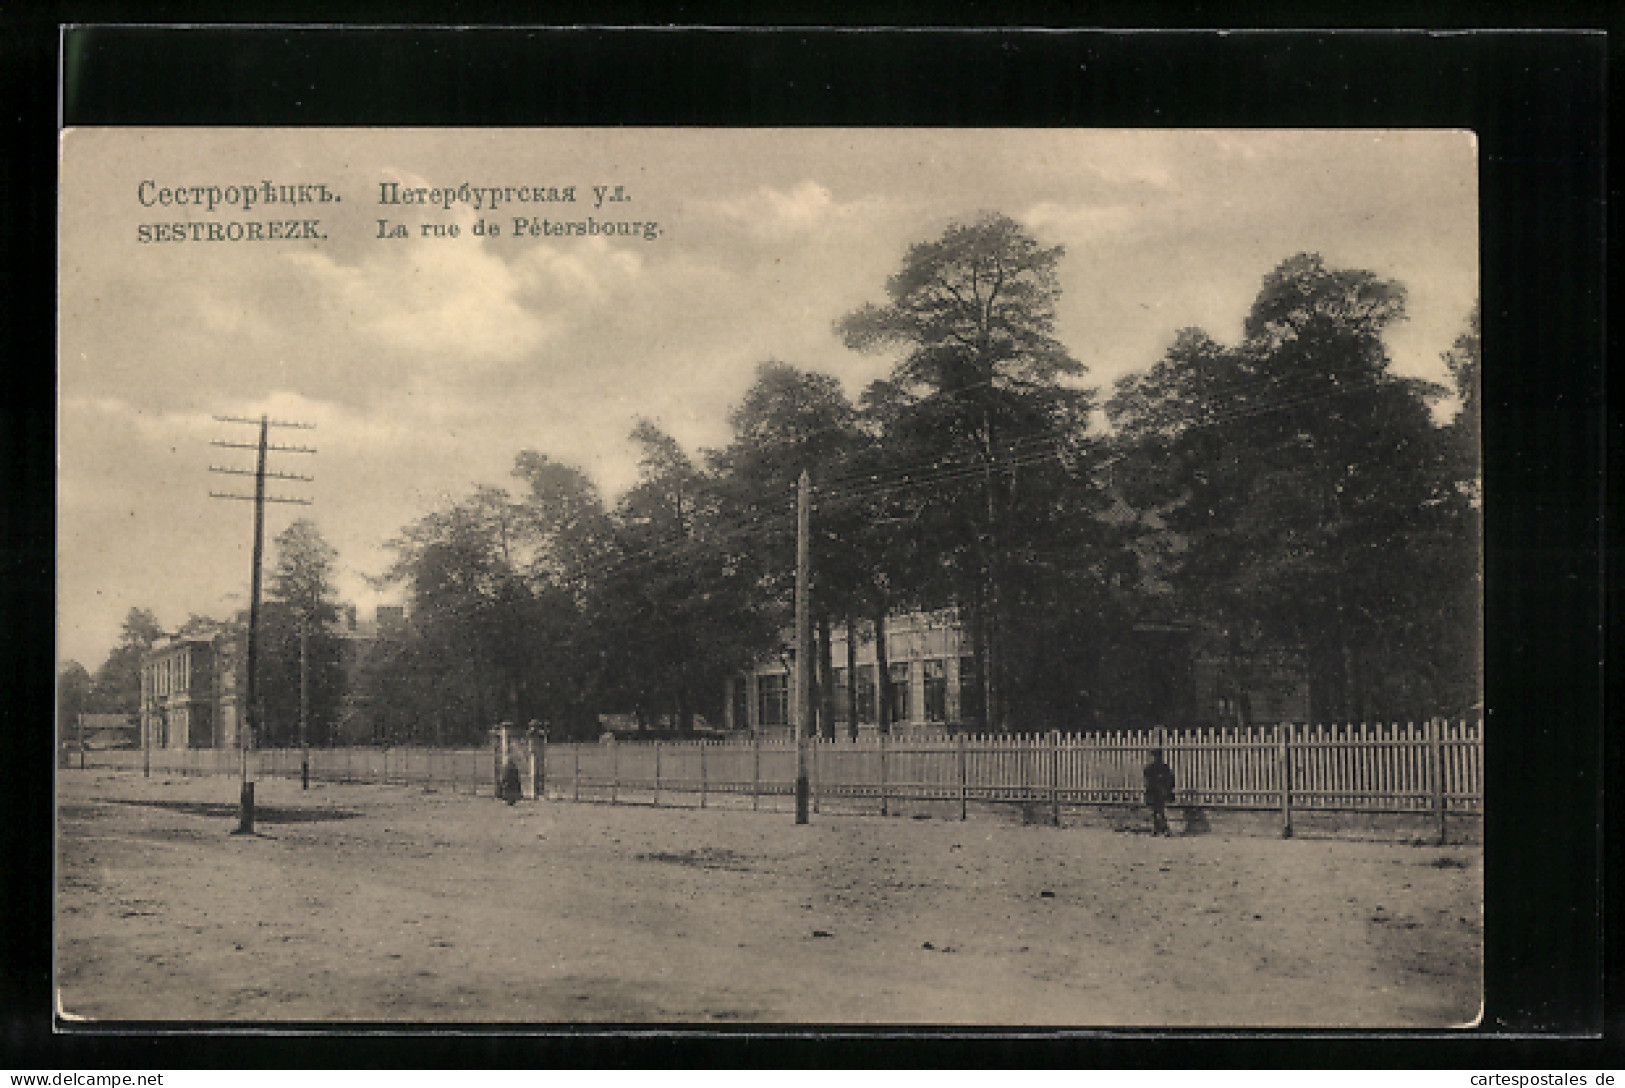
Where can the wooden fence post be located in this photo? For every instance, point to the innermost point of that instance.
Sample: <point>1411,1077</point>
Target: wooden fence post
<point>657,774</point>
<point>1055,777</point>
<point>961,747</point>
<point>756,771</point>
<point>812,743</point>
<point>880,739</point>
<point>575,778</point>
<point>614,770</point>
<point>1436,773</point>
<point>1284,735</point>
<point>702,774</point>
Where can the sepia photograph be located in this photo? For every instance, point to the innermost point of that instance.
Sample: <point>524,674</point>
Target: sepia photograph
<point>922,577</point>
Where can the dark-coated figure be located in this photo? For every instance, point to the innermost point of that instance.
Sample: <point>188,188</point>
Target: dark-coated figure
<point>511,790</point>
<point>1159,792</point>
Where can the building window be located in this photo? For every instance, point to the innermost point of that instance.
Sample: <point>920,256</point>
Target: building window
<point>773,700</point>
<point>897,672</point>
<point>970,692</point>
<point>842,710</point>
<point>936,690</point>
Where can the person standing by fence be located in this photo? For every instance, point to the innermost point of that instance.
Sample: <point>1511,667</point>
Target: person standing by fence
<point>1159,792</point>
<point>511,790</point>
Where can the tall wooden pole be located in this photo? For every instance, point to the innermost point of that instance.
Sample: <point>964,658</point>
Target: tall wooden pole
<point>304,704</point>
<point>804,701</point>
<point>248,737</point>
<point>247,733</point>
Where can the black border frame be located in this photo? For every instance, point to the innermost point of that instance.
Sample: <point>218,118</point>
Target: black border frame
<point>1537,101</point>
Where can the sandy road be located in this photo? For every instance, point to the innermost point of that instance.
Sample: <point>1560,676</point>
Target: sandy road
<point>373,903</point>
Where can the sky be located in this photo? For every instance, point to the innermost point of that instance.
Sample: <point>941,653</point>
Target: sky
<point>427,362</point>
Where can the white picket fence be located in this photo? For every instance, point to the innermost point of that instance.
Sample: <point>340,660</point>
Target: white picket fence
<point>1425,767</point>
<point>1432,767</point>
<point>470,769</point>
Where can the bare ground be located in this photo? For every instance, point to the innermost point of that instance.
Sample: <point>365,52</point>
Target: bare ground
<point>377,903</point>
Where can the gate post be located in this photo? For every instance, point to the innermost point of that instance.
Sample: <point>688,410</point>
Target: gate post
<point>499,757</point>
<point>961,747</point>
<point>1283,733</point>
<point>1055,777</point>
<point>537,783</point>
<point>1436,773</point>
<point>880,740</point>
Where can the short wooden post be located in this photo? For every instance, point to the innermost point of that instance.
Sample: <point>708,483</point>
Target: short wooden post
<point>538,767</point>
<point>614,770</point>
<point>575,777</point>
<point>1283,735</point>
<point>962,791</point>
<point>81,741</point>
<point>702,774</point>
<point>756,771</point>
<point>880,739</point>
<point>1053,775</point>
<point>499,752</point>
<point>657,774</point>
<point>1436,773</point>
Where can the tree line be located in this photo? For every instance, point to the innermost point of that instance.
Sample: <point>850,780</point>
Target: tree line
<point>1288,492</point>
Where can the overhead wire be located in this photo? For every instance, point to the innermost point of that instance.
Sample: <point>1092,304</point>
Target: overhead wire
<point>1053,445</point>
<point>1019,453</point>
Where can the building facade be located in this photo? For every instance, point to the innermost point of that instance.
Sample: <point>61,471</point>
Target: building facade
<point>194,688</point>
<point>933,677</point>
<point>190,693</point>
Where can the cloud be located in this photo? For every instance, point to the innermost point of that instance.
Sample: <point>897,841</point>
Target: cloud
<point>437,299</point>
<point>807,209</point>
<point>1080,222</point>
<point>586,272</point>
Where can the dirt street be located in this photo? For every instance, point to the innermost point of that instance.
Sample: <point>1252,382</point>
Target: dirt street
<point>376,903</point>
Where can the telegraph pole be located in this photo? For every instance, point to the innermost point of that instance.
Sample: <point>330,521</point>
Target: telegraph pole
<point>304,703</point>
<point>803,639</point>
<point>246,735</point>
